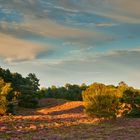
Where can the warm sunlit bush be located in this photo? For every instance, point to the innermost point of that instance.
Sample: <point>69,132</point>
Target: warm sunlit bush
<point>5,88</point>
<point>102,101</point>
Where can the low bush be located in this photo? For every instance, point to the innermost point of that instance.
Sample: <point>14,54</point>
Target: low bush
<point>131,97</point>
<point>5,88</point>
<point>102,101</point>
<point>28,101</point>
<point>3,105</point>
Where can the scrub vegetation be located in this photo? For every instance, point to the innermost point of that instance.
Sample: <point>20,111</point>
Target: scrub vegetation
<point>30,112</point>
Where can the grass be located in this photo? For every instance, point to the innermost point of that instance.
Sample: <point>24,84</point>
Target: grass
<point>65,120</point>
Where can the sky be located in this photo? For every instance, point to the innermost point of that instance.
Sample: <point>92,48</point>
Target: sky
<point>72,41</point>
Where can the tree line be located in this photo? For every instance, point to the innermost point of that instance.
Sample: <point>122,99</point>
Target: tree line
<point>16,89</point>
<point>25,92</point>
<point>98,99</point>
<point>69,92</point>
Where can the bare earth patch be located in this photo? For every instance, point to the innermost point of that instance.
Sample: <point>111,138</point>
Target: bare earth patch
<point>65,120</point>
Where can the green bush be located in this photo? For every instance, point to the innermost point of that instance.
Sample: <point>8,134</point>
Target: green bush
<point>131,97</point>
<point>28,101</point>
<point>101,100</point>
<point>10,108</point>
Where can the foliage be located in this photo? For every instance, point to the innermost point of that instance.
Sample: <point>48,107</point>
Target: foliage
<point>131,97</point>
<point>28,96</point>
<point>5,88</point>
<point>33,81</point>
<point>28,101</point>
<point>101,100</point>
<point>24,89</point>
<point>110,101</point>
<point>68,92</point>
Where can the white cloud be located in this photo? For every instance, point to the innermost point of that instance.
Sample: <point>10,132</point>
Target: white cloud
<point>13,49</point>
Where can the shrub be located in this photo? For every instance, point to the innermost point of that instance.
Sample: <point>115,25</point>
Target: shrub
<point>28,101</point>
<point>3,105</point>
<point>5,88</point>
<point>131,97</point>
<point>101,100</point>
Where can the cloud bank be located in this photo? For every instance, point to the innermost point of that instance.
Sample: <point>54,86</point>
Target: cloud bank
<point>13,49</point>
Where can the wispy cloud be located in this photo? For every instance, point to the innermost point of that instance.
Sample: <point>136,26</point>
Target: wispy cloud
<point>13,49</point>
<point>106,24</point>
<point>78,39</point>
<point>126,11</point>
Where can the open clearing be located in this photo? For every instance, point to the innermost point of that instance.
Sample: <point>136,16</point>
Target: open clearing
<point>65,120</point>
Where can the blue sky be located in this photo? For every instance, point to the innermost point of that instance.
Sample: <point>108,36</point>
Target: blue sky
<point>72,41</point>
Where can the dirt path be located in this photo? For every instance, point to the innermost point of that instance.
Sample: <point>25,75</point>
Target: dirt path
<point>63,120</point>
